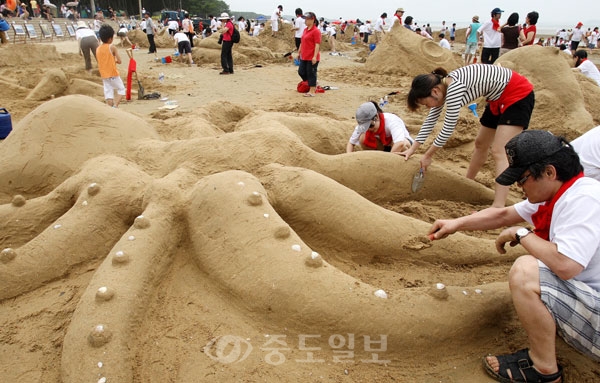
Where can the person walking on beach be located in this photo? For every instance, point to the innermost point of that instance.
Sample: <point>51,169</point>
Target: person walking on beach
<point>377,130</point>
<point>528,33</point>
<point>227,44</point>
<point>555,288</point>
<point>510,100</point>
<point>150,31</point>
<point>472,39</point>
<point>108,58</point>
<point>576,36</point>
<point>492,38</point>
<point>310,52</point>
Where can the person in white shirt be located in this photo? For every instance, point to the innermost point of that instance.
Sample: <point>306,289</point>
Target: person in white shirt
<point>257,29</point>
<point>492,37</point>
<point>587,147</point>
<point>443,42</point>
<point>242,24</point>
<point>377,130</point>
<point>583,65</point>
<point>299,27</point>
<point>183,45</point>
<point>576,36</point>
<point>275,20</point>
<point>173,26</point>
<point>379,28</point>
<point>331,33</point>
<point>213,23</point>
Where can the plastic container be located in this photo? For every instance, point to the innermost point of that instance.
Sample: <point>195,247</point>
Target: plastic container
<point>5,123</point>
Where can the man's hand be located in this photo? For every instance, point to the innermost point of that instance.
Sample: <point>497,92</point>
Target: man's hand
<point>442,228</point>
<point>507,235</point>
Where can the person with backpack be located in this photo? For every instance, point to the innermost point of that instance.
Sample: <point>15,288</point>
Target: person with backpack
<point>227,44</point>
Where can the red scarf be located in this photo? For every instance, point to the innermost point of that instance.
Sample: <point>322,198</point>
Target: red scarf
<point>495,24</point>
<point>543,217</point>
<point>371,139</point>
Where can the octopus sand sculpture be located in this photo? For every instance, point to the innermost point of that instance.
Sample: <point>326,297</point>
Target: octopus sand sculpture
<point>269,226</point>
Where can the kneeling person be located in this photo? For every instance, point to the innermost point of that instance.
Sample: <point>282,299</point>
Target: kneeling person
<point>377,130</point>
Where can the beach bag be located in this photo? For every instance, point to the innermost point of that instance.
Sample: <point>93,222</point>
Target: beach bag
<point>235,36</point>
<point>4,25</point>
<point>303,87</point>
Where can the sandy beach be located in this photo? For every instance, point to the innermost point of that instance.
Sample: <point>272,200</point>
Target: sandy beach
<point>221,233</point>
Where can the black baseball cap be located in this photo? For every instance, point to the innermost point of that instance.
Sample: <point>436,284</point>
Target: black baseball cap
<point>496,11</point>
<point>527,148</point>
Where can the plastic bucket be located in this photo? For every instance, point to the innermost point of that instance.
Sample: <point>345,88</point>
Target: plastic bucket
<point>5,123</point>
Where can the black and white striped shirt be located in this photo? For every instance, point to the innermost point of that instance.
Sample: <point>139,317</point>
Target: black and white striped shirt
<point>468,84</point>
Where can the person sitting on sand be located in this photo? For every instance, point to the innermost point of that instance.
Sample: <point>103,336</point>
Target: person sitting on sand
<point>182,41</point>
<point>108,58</point>
<point>587,147</point>
<point>377,130</point>
<point>583,65</point>
<point>556,287</point>
<point>510,101</point>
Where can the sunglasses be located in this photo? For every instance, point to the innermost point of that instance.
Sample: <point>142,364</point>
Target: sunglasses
<point>523,180</point>
<point>373,121</point>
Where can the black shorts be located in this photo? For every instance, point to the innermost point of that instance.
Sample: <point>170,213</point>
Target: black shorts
<point>184,47</point>
<point>518,114</point>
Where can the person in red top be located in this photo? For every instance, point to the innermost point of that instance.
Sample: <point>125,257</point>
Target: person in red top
<point>527,36</point>
<point>227,44</point>
<point>310,52</point>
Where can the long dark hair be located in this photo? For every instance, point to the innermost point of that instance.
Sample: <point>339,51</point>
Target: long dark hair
<point>422,85</point>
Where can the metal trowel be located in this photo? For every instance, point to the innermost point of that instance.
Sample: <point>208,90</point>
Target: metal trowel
<point>418,179</point>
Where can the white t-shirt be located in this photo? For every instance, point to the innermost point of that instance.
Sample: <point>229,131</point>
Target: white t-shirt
<point>241,25</point>
<point>275,15</point>
<point>173,25</point>
<point>394,127</point>
<point>577,34</point>
<point>590,70</point>
<point>213,24</point>
<point>445,44</point>
<point>331,30</point>
<point>491,38</point>
<point>379,24</point>
<point>256,30</point>
<point>180,36</point>
<point>587,147</point>
<point>85,32</point>
<point>574,228</point>
<point>300,25</point>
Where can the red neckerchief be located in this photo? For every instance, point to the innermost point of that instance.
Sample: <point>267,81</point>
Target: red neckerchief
<point>495,24</point>
<point>371,139</point>
<point>543,217</point>
<point>582,60</point>
<point>399,18</point>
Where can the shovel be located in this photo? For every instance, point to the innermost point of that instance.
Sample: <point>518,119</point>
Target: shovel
<point>131,70</point>
<point>418,180</point>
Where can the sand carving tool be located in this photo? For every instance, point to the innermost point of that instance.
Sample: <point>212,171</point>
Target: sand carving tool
<point>418,179</point>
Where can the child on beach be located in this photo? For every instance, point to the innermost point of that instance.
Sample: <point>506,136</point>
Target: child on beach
<point>108,58</point>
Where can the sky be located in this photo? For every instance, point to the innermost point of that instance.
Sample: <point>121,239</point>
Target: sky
<point>552,12</point>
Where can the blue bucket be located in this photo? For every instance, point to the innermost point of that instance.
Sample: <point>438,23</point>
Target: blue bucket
<point>296,62</point>
<point>372,47</point>
<point>5,123</point>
